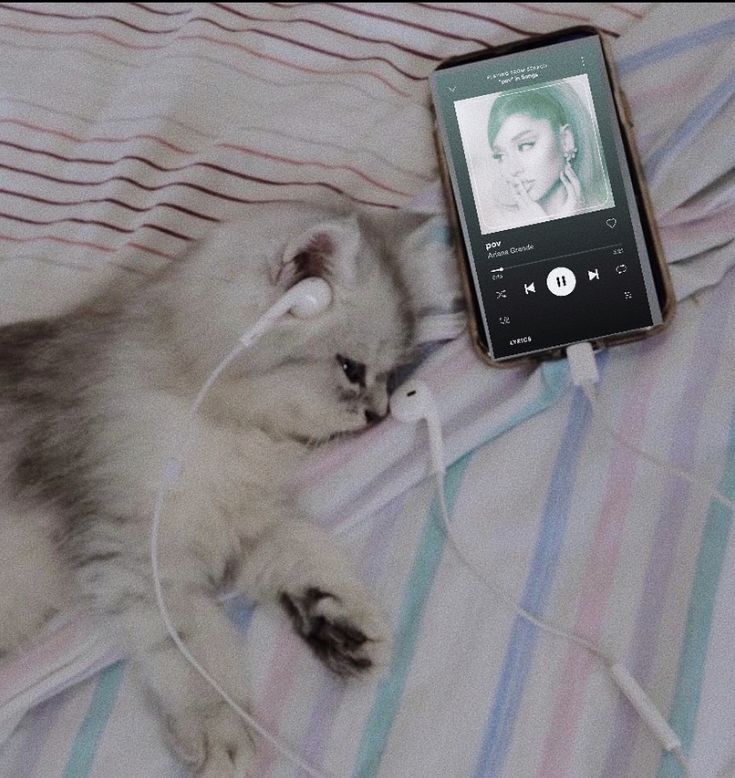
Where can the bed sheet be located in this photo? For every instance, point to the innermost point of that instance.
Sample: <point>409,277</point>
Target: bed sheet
<point>128,131</point>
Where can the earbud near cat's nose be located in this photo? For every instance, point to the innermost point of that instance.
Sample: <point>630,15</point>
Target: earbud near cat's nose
<point>412,402</point>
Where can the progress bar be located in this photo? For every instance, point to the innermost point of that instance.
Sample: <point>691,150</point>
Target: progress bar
<point>559,256</point>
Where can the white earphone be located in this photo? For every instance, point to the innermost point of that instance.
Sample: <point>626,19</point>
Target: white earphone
<point>308,298</point>
<point>412,402</point>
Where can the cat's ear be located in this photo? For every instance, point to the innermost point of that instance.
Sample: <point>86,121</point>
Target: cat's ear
<point>327,250</point>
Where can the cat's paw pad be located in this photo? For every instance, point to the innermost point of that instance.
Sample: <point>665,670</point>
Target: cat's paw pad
<point>347,634</point>
<point>212,742</point>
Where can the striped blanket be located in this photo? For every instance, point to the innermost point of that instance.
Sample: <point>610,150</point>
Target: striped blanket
<point>129,130</point>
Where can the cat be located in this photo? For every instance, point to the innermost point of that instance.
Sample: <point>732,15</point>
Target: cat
<point>90,404</point>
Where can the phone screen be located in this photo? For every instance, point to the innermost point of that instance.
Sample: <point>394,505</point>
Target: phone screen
<point>555,236</point>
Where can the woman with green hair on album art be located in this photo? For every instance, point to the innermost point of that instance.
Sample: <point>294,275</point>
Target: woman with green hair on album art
<point>545,157</point>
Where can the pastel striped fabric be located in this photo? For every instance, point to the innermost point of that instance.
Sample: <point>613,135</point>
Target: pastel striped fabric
<point>127,131</point>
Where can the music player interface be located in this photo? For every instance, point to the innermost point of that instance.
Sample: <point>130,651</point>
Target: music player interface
<point>554,239</point>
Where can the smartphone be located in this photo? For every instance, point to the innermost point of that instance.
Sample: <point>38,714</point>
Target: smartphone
<point>556,237</point>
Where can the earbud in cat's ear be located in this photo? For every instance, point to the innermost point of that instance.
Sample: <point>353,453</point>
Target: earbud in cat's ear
<point>412,402</point>
<point>307,298</point>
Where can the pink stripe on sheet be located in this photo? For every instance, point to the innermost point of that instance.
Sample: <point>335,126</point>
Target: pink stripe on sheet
<point>96,223</point>
<point>653,100</point>
<point>27,676</point>
<point>321,143</point>
<point>231,146</point>
<point>337,55</point>
<point>481,17</point>
<point>294,66</point>
<point>57,239</point>
<point>352,151</point>
<point>317,163</point>
<point>282,673</point>
<point>406,23</point>
<point>212,166</point>
<point>276,36</point>
<point>505,25</point>
<point>95,138</point>
<point>114,120</point>
<point>330,28</point>
<point>160,12</point>
<point>86,244</point>
<point>111,200</point>
<point>256,76</point>
<point>547,12</point>
<point>596,583</point>
<point>680,221</point>
<point>209,39</point>
<point>625,10</point>
<point>197,187</point>
<point>90,33</point>
<point>86,17</point>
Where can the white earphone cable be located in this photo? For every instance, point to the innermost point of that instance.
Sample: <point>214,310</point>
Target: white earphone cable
<point>585,375</point>
<point>507,599</point>
<point>625,682</point>
<point>172,471</point>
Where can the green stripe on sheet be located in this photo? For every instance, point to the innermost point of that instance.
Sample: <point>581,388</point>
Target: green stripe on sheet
<point>421,578</point>
<point>84,749</point>
<point>683,716</point>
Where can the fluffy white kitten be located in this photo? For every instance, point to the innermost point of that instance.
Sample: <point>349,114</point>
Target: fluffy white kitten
<point>89,407</point>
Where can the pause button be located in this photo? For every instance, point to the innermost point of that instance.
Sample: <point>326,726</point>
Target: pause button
<point>561,281</point>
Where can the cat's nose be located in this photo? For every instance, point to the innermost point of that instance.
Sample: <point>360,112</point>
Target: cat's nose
<point>371,417</point>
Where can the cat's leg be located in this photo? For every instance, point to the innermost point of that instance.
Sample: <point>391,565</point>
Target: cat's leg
<point>298,566</point>
<point>198,725</point>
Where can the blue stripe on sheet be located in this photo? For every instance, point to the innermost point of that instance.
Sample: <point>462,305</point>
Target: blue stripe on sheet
<point>419,583</point>
<point>85,745</point>
<point>522,642</point>
<point>671,48</point>
<point>683,716</point>
<point>695,122</point>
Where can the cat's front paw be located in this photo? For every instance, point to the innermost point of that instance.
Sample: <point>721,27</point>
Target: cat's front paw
<point>344,631</point>
<point>213,742</point>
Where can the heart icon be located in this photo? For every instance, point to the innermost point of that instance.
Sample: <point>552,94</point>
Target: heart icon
<point>611,223</point>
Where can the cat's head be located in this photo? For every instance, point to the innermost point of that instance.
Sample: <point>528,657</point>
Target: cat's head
<point>317,378</point>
